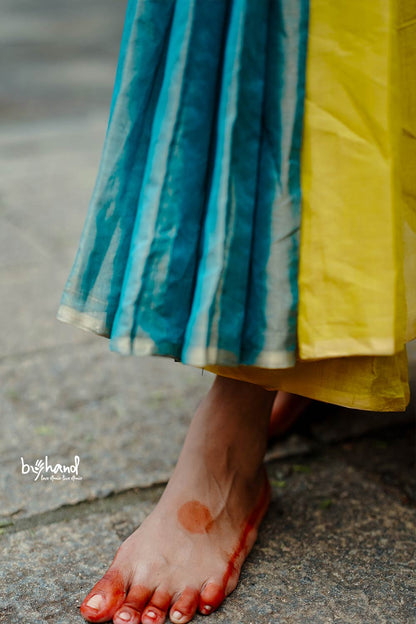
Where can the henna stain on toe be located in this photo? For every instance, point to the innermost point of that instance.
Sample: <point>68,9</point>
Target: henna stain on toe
<point>111,588</point>
<point>195,517</point>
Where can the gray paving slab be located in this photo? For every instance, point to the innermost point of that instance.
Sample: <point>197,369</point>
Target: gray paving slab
<point>30,296</point>
<point>17,250</point>
<point>57,71</point>
<point>48,172</point>
<point>58,58</point>
<point>53,566</point>
<point>337,546</point>
<point>109,410</point>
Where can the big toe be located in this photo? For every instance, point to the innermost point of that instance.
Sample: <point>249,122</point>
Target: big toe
<point>105,598</point>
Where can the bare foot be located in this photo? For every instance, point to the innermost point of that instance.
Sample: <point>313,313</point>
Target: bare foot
<point>285,411</point>
<point>187,555</point>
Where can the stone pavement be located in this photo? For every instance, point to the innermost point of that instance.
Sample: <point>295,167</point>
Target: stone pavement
<point>338,543</point>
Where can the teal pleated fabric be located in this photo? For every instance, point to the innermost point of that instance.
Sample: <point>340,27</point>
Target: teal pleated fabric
<point>191,242</point>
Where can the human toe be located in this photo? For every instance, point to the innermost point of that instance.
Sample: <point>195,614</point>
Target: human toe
<point>130,612</point>
<point>105,597</point>
<point>126,615</point>
<point>156,609</point>
<point>184,609</point>
<point>211,597</point>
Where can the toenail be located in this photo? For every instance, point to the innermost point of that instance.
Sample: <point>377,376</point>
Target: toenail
<point>96,602</point>
<point>177,615</point>
<point>124,615</point>
<point>151,614</point>
<point>206,608</point>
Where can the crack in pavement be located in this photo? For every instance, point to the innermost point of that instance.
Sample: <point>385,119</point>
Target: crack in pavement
<point>109,503</point>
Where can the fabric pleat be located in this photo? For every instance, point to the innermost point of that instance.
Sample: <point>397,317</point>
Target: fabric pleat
<point>92,292</point>
<point>358,244</point>
<point>254,212</point>
<point>190,247</point>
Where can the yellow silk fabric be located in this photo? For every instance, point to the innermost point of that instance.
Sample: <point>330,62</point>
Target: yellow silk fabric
<point>363,382</point>
<point>357,281</point>
<point>407,151</point>
<point>355,206</point>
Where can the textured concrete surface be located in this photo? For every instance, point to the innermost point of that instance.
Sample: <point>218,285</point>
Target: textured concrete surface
<point>58,58</point>
<point>337,545</point>
<point>107,409</point>
<point>338,542</point>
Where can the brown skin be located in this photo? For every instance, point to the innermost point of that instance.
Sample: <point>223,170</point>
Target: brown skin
<point>285,411</point>
<point>187,555</point>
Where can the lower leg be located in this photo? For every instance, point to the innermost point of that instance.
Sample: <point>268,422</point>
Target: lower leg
<point>188,553</point>
<point>286,410</point>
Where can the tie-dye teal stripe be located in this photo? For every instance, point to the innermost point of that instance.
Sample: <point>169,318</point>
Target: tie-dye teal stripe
<point>190,247</point>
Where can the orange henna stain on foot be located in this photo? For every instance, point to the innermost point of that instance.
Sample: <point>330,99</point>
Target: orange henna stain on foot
<point>213,594</point>
<point>252,521</point>
<point>195,517</point>
<point>106,597</point>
